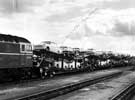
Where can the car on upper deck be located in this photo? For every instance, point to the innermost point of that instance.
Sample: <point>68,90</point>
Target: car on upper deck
<point>49,46</point>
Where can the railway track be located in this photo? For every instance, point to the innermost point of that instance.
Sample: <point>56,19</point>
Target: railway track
<point>125,94</point>
<point>48,94</point>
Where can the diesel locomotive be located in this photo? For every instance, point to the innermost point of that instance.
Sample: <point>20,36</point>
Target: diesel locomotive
<point>15,56</point>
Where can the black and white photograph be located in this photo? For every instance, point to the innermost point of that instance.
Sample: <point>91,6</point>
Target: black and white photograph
<point>67,49</point>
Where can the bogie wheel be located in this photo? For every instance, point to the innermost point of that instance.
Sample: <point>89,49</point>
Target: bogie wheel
<point>52,74</point>
<point>47,48</point>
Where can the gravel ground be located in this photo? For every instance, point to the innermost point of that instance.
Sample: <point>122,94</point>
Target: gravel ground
<point>101,91</point>
<point>33,87</point>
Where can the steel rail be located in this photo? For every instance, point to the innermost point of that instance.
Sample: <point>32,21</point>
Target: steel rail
<point>48,94</point>
<point>125,94</point>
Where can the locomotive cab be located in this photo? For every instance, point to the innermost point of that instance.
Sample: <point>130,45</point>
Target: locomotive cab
<point>26,54</point>
<point>15,56</point>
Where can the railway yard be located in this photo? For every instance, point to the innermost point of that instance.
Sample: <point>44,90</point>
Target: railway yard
<point>98,85</point>
<point>105,90</point>
<point>48,72</point>
<point>67,49</point>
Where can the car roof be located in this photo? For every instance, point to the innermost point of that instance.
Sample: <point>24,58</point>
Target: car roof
<point>48,42</point>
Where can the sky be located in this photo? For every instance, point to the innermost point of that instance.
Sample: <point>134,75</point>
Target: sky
<point>107,25</point>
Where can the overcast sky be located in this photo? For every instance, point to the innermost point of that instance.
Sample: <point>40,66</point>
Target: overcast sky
<point>98,24</point>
